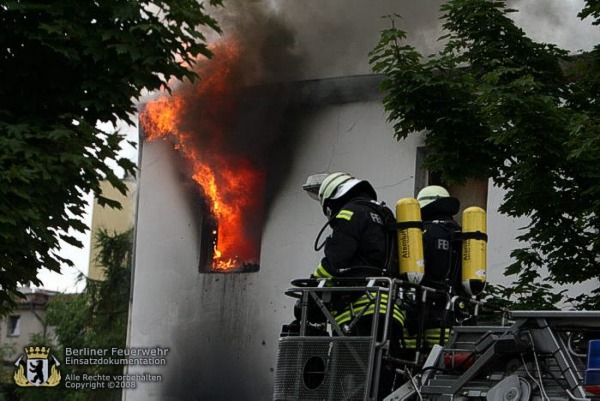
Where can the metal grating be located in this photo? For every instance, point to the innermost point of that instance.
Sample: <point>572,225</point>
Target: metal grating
<point>322,368</point>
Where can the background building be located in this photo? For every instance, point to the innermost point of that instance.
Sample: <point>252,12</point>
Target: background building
<point>112,220</point>
<point>27,320</point>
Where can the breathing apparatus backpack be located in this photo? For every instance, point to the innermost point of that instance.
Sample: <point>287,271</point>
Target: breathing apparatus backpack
<point>438,254</point>
<point>442,246</point>
<point>455,258</point>
<point>388,220</point>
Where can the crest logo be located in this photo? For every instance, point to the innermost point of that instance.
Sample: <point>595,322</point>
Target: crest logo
<point>37,369</point>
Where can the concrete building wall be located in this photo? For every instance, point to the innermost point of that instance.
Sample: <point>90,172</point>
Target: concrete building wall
<point>222,329</point>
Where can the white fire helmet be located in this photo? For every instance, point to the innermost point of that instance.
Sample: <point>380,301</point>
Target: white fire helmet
<point>430,194</point>
<point>336,185</point>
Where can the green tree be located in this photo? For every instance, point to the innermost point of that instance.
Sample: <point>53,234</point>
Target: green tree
<point>496,104</point>
<point>107,306</point>
<point>6,373</point>
<point>66,65</point>
<point>108,299</point>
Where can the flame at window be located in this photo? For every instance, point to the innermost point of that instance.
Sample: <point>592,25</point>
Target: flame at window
<point>200,120</point>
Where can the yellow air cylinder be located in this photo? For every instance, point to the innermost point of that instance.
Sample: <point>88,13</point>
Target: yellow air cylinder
<point>410,240</point>
<point>474,250</point>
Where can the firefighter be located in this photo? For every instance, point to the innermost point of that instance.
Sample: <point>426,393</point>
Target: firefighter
<point>359,237</point>
<point>442,255</point>
<point>442,252</point>
<point>360,245</point>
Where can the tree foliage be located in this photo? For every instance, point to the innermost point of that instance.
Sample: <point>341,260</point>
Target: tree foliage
<point>108,299</point>
<point>66,65</point>
<point>496,104</point>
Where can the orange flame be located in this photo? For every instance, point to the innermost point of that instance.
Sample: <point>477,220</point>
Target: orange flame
<point>231,182</point>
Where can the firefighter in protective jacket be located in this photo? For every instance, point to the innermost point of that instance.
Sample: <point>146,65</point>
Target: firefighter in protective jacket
<point>442,252</point>
<point>359,239</point>
<point>441,245</point>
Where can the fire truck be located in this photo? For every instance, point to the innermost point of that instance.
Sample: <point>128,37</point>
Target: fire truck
<point>503,356</point>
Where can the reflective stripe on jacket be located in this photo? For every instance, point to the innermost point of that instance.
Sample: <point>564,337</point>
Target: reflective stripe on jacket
<point>321,272</point>
<point>363,302</point>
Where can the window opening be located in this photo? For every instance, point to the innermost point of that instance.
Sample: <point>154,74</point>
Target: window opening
<point>14,325</point>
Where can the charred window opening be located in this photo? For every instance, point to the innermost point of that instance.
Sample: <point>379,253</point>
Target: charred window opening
<point>239,252</point>
<point>225,152</point>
